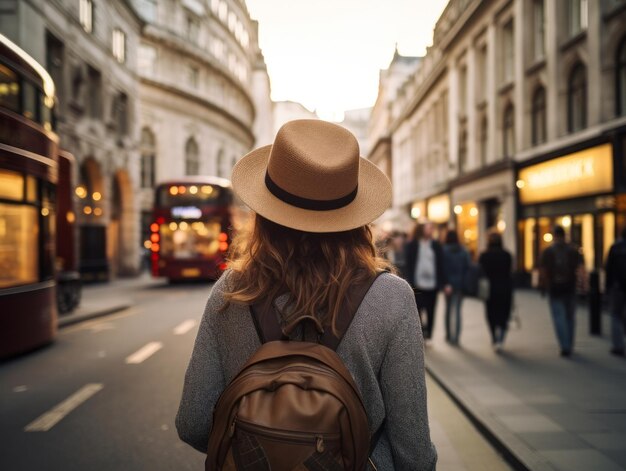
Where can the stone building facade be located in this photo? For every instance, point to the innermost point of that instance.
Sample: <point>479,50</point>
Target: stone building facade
<point>202,81</point>
<point>89,48</point>
<point>515,121</point>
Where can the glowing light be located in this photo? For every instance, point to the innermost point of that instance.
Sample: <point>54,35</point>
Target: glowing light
<point>154,247</point>
<point>70,216</point>
<point>416,213</point>
<point>566,221</point>
<point>154,227</point>
<point>45,211</point>
<point>458,209</point>
<point>173,190</point>
<point>223,237</point>
<point>173,226</point>
<point>193,190</point>
<point>97,196</point>
<point>182,190</point>
<point>87,209</point>
<point>223,246</point>
<point>97,212</point>
<point>501,225</point>
<point>81,191</point>
<point>154,237</point>
<point>467,234</point>
<point>473,212</point>
<point>207,189</point>
<point>547,237</point>
<point>520,184</point>
<point>183,226</point>
<point>147,244</point>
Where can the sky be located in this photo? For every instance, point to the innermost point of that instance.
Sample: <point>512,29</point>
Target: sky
<point>326,54</point>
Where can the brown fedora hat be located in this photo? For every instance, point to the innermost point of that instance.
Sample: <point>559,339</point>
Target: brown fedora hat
<point>313,179</point>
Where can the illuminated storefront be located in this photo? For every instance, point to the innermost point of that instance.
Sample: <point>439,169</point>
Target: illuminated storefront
<point>435,209</point>
<point>575,191</point>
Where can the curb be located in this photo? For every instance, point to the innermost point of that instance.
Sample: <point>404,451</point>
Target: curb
<point>516,453</point>
<point>65,321</point>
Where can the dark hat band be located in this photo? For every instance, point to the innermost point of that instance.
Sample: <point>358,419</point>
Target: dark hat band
<point>307,203</point>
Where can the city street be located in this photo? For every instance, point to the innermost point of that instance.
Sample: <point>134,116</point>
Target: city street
<point>105,394</point>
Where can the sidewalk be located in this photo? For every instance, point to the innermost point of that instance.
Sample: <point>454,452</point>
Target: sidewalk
<point>101,299</point>
<point>543,411</point>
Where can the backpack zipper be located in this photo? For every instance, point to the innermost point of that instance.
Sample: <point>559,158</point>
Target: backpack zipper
<point>317,439</point>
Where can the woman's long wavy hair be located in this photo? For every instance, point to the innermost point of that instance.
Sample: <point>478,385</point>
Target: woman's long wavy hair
<point>314,269</point>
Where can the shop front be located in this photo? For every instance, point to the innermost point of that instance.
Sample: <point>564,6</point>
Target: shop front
<point>575,191</point>
<point>481,203</point>
<point>435,209</point>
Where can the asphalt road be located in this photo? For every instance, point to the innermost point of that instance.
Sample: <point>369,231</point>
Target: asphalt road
<point>104,395</point>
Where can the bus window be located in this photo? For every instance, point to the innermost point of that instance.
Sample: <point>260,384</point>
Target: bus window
<point>11,185</point>
<point>29,101</point>
<point>185,240</point>
<point>18,245</point>
<point>9,89</point>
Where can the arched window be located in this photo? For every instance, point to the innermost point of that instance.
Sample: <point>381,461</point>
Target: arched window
<point>148,159</point>
<point>508,131</point>
<point>192,162</point>
<point>577,99</point>
<point>484,140</point>
<point>620,79</point>
<point>539,116</point>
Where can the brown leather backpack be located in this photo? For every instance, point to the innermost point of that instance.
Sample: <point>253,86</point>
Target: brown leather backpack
<point>294,405</point>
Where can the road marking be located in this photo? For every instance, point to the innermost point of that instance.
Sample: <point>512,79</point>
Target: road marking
<point>185,327</point>
<point>144,352</point>
<point>48,420</point>
<point>19,389</point>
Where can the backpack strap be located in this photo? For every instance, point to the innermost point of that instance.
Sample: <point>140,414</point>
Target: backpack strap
<point>269,328</point>
<point>348,310</point>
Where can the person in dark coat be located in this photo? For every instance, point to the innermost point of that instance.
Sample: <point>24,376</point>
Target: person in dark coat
<point>456,261</point>
<point>616,288</point>
<point>424,271</point>
<point>497,264</point>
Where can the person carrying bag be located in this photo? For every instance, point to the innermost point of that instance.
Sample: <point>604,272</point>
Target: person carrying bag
<point>310,354</point>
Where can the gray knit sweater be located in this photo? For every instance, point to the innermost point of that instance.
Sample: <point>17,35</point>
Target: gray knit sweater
<point>383,349</point>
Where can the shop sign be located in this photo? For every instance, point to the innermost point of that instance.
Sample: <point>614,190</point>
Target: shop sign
<point>439,208</point>
<point>583,173</point>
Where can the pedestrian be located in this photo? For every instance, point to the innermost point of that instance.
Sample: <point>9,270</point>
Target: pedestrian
<point>398,241</point>
<point>456,262</point>
<point>311,243</point>
<point>425,273</point>
<point>560,264</point>
<point>496,263</point>
<point>616,289</point>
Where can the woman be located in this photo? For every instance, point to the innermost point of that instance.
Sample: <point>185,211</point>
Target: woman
<point>425,272</point>
<point>496,263</point>
<point>456,261</point>
<point>313,198</point>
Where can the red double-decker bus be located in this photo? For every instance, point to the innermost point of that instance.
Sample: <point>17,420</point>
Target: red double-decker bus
<point>28,189</point>
<point>192,228</point>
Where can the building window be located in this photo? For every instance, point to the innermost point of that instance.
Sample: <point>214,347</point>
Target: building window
<point>620,78</point>
<point>483,73</point>
<point>508,51</point>
<point>484,140</point>
<point>86,15</point>
<point>577,16</point>
<point>539,116</point>
<point>193,29</point>
<point>55,63</point>
<point>119,45</point>
<point>120,113</point>
<point>193,76</point>
<point>220,162</point>
<point>146,59</point>
<point>148,159</point>
<point>192,162</point>
<point>577,98</point>
<point>463,150</point>
<point>539,26</point>
<point>508,131</point>
<point>463,90</point>
<point>94,93</point>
